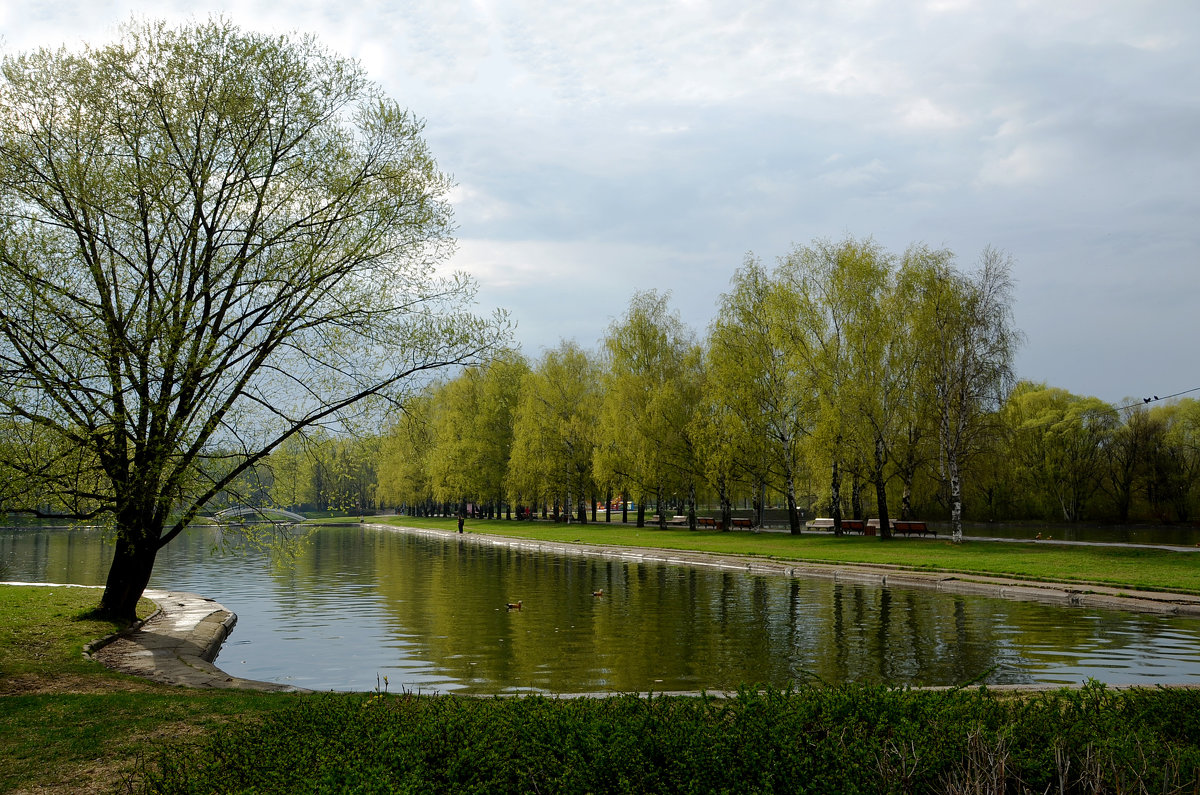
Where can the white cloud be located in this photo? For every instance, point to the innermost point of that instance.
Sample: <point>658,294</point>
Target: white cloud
<point>605,146</point>
<point>855,176</point>
<point>923,113</point>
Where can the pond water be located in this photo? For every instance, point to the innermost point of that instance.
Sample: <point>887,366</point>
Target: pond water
<point>358,604</point>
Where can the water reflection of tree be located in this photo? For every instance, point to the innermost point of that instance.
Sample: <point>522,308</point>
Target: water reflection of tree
<point>662,626</point>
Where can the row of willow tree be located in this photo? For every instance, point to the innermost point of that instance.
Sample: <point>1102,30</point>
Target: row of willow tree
<point>845,380</point>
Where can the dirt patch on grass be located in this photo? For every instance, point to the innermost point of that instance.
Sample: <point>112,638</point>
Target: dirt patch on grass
<point>93,778</point>
<point>43,684</point>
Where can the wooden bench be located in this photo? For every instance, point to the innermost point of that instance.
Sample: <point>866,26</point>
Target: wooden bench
<point>706,521</point>
<point>853,525</point>
<point>905,526</point>
<point>908,527</point>
<point>743,523</point>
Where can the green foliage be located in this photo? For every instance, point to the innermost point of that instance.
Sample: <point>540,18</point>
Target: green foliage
<point>473,431</point>
<point>554,430</point>
<point>403,466</point>
<point>758,350</point>
<point>644,445</point>
<point>1057,444</point>
<point>211,241</point>
<point>846,739</point>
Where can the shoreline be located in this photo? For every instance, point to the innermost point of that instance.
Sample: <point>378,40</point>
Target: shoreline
<point>1056,593</point>
<point>178,642</point>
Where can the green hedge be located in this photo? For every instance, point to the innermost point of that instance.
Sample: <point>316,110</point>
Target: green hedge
<point>844,739</point>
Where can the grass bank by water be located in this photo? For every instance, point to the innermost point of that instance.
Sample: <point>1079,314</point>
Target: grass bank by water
<point>67,725</point>
<point>1134,568</point>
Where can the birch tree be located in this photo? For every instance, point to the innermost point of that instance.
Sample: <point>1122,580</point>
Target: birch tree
<point>966,327</point>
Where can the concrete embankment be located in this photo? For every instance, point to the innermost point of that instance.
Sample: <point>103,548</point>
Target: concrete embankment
<point>177,644</point>
<point>1079,595</point>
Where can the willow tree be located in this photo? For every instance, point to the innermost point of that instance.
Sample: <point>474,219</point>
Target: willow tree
<point>553,430</point>
<point>757,345</point>
<point>851,356</point>
<point>650,393</point>
<point>1060,446</point>
<point>404,451</point>
<point>210,241</point>
<point>473,430</point>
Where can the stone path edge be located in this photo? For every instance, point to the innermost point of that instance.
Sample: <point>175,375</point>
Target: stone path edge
<point>175,645</point>
<point>1063,594</point>
<point>178,643</point>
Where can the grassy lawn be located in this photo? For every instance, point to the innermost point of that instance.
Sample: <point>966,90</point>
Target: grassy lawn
<point>1125,567</point>
<point>69,725</point>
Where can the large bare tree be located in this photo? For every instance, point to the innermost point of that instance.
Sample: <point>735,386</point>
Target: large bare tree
<point>210,241</point>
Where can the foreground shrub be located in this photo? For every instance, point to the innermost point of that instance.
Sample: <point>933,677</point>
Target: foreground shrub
<point>846,739</point>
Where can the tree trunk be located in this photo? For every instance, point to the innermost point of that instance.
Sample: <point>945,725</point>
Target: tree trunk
<point>835,499</point>
<point>692,506</point>
<point>793,509</point>
<point>641,513</point>
<point>760,514</point>
<point>662,514</point>
<point>885,527</point>
<point>956,532</point>
<point>608,506</point>
<point>726,513</point>
<point>132,565</point>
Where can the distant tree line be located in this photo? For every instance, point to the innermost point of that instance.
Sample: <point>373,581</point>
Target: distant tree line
<point>844,381</point>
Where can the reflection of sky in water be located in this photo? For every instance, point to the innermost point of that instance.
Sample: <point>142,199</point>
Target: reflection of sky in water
<point>358,605</point>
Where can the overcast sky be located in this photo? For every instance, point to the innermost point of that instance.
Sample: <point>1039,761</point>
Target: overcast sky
<point>605,147</point>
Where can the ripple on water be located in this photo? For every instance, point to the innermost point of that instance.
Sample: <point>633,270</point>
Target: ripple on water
<point>359,605</point>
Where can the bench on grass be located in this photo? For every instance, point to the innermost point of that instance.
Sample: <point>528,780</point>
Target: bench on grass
<point>908,527</point>
<point>855,526</point>
<point>905,526</point>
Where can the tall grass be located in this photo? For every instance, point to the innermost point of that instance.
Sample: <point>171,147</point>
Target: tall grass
<point>846,739</point>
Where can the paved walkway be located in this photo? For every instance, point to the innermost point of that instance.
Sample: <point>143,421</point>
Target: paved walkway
<point>1074,594</point>
<point>177,645</point>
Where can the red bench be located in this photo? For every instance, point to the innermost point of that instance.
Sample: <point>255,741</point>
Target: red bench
<point>905,526</point>
<point>908,527</point>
